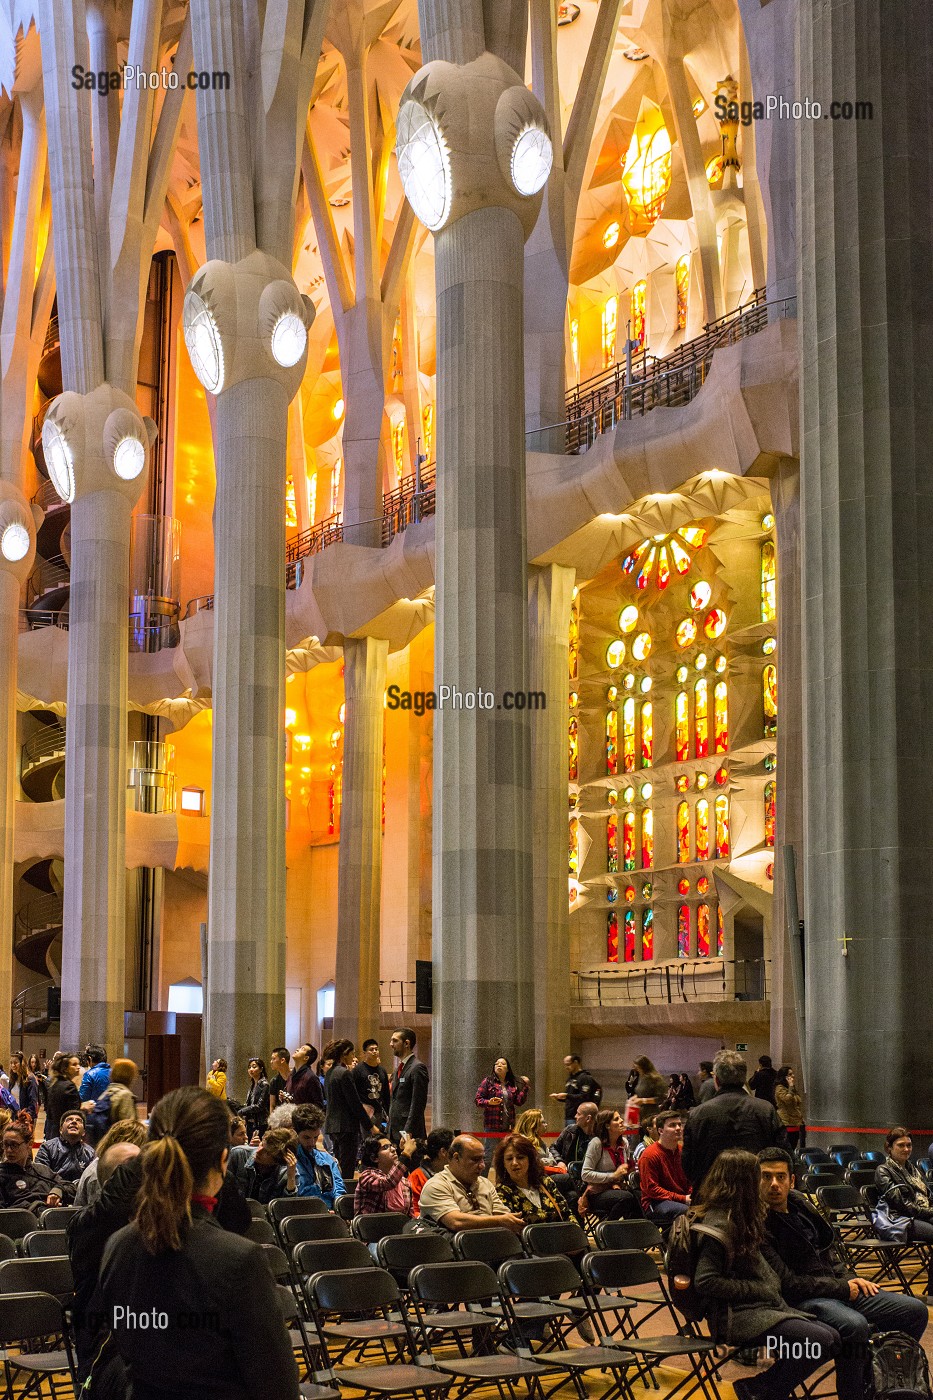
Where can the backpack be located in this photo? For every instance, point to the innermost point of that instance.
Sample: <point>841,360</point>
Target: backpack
<point>680,1262</point>
<point>98,1119</point>
<point>897,1368</point>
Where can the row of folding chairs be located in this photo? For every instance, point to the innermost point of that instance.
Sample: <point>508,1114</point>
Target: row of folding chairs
<point>848,1209</point>
<point>36,1293</point>
<point>17,1222</point>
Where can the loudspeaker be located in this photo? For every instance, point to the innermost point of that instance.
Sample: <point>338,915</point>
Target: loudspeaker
<point>53,1003</point>
<point>424,988</point>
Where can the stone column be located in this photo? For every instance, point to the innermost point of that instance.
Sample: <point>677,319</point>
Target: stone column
<point>481,210</point>
<point>550,591</point>
<point>866,213</point>
<point>359,870</point>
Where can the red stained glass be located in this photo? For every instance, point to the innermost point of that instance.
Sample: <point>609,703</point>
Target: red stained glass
<point>722,776</point>
<point>715,623</point>
<point>680,556</point>
<point>612,937</point>
<point>573,764</point>
<point>721,717</point>
<point>647,735</point>
<point>683,832</point>
<point>769,871</point>
<point>682,726</point>
<point>770,813</point>
<point>664,568</point>
<point>681,782</point>
<point>703,930</point>
<point>628,736</point>
<point>628,841</point>
<point>683,886</point>
<point>646,568</point>
<point>702,820</point>
<point>631,561</point>
<point>720,932</point>
<point>683,931</point>
<point>630,894</point>
<point>701,718</point>
<point>722,828</point>
<point>647,839</point>
<point>702,885</point>
<point>629,935</point>
<point>612,743</point>
<point>612,844</point>
<point>647,934</point>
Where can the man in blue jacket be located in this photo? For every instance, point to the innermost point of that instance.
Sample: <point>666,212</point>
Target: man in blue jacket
<point>96,1078</point>
<point>318,1172</point>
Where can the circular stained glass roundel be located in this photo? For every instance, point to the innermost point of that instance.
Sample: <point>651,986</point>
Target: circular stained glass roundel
<point>59,460</point>
<point>202,338</point>
<point>289,338</point>
<point>715,623</point>
<point>532,158</point>
<point>683,886</point>
<point>630,894</point>
<point>628,619</point>
<point>129,458</point>
<point>641,647</point>
<point>424,165</point>
<point>769,645</point>
<point>686,632</point>
<point>700,595</point>
<point>682,674</point>
<point>14,542</point>
<point>615,654</point>
<point>702,885</point>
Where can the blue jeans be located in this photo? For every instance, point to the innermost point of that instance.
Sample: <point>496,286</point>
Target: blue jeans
<point>855,1321</point>
<point>666,1211</point>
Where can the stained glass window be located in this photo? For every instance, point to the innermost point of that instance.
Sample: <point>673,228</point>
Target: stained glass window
<point>700,595</point>
<point>427,423</point>
<point>769,688</point>
<point>686,632</point>
<point>642,560</point>
<point>641,647</point>
<point>702,822</point>
<point>639,300</point>
<point>703,930</point>
<point>683,931</point>
<point>335,487</point>
<point>574,639</point>
<point>612,937</point>
<point>770,812</point>
<point>720,932</point>
<point>398,447</point>
<point>721,717</point>
<point>291,505</point>
<point>575,347</point>
<point>647,934</point>
<point>573,856</point>
<point>647,735</point>
<point>683,832</point>
<point>573,749</point>
<point>629,894</point>
<point>612,742</point>
<point>628,841</point>
<point>722,827</point>
<point>715,623</point>
<point>628,735</point>
<point>629,921</point>
<point>610,323</point>
<point>312,498</point>
<point>682,279</point>
<point>615,654</point>
<point>612,843</point>
<point>702,885</point>
<point>628,618</point>
<point>768,582</point>
<point>682,726</point>
<point>701,718</point>
<point>647,839</point>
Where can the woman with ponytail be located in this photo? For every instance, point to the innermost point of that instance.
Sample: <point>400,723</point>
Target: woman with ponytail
<point>181,1293</point>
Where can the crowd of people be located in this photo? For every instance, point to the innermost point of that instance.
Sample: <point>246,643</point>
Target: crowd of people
<point>164,1204</point>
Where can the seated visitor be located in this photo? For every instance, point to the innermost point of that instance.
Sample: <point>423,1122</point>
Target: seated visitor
<point>24,1182</point>
<point>649,1134</point>
<point>905,1207</point>
<point>461,1198</point>
<point>176,1262</point>
<point>680,1095</point>
<point>570,1148</point>
<point>128,1132</point>
<point>522,1184</point>
<point>68,1154</point>
<point>433,1160</point>
<point>665,1190</point>
<point>741,1292</point>
<point>532,1125</point>
<point>271,1170</point>
<point>606,1170</point>
<point>816,1278</point>
<point>238,1132</point>
<point>318,1172</point>
<point>382,1183</point>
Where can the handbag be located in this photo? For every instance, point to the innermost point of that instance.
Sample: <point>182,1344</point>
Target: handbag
<point>889,1225</point>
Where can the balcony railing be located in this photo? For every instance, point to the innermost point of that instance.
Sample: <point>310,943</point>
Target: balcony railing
<point>43,912</point>
<point>46,744</point>
<point>667,983</point>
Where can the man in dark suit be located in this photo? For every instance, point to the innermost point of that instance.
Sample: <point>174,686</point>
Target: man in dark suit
<point>409,1088</point>
<point>731,1118</point>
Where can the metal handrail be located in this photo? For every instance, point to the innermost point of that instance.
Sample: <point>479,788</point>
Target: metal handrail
<point>665,983</point>
<point>47,742</point>
<point>52,336</point>
<point>44,912</point>
<point>35,999</point>
<point>47,497</point>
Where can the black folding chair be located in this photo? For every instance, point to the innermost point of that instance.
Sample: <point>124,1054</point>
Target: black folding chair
<point>544,1281</point>
<point>344,1206</point>
<point>38,1276</point>
<point>368,1297</point>
<point>16,1222</point>
<point>444,1293</point>
<point>845,1209</point>
<point>327,1256</point>
<point>7,1248</point>
<point>44,1244</point>
<point>843,1152</point>
<point>860,1175</point>
<point>261,1232</point>
<point>35,1323</point>
<point>814,1154</point>
<point>615,1270</point>
<point>399,1254</point>
<point>373,1228</point>
<point>56,1217</point>
<point>295,1229</point>
<point>491,1246</point>
<point>257,1210</point>
<point>307,1352</point>
<point>284,1206</point>
<point>276,1261</point>
<point>628,1234</point>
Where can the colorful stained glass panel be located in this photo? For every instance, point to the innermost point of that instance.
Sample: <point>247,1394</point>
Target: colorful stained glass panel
<point>768,582</point>
<point>722,828</point>
<point>647,839</point>
<point>629,935</point>
<point>703,930</point>
<point>770,812</point>
<point>721,717</point>
<point>612,937</point>
<point>647,735</point>
<point>647,934</point>
<point>682,726</point>
<point>702,824</point>
<point>612,742</point>
<point>701,718</point>
<point>769,691</point>
<point>628,735</point>
<point>628,841</point>
<point>683,832</point>
<point>683,931</point>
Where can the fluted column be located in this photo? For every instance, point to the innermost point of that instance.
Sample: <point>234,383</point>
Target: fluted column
<point>9,618</point>
<point>359,871</point>
<point>550,594</point>
<point>866,214</point>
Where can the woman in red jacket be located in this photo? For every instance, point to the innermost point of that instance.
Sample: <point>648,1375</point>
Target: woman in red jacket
<point>498,1096</point>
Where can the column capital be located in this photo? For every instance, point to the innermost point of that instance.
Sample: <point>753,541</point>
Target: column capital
<point>97,442</point>
<point>18,523</point>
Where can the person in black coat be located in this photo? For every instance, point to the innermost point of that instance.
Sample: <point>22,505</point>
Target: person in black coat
<point>764,1080</point>
<point>61,1092</point>
<point>409,1088</point>
<point>731,1118</point>
<point>216,1328</point>
<point>256,1109</point>
<point>347,1120</point>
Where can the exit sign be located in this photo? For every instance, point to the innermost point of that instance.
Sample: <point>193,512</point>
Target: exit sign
<point>740,1047</point>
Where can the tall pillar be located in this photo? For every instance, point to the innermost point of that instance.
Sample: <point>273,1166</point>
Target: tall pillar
<point>482,756</point>
<point>551,594</point>
<point>866,226</point>
<point>359,869</point>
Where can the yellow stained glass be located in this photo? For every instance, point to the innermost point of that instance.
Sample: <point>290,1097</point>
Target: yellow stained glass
<point>628,736</point>
<point>769,688</point>
<point>612,743</point>
<point>647,839</point>
<point>647,170</point>
<point>702,825</point>
<point>628,619</point>
<point>615,654</point>
<point>647,735</point>
<point>686,632</point>
<point>721,717</point>
<point>427,424</point>
<point>682,281</point>
<point>683,832</point>
<point>682,726</point>
<point>722,827</point>
<point>701,718</point>
<point>638,310</point>
<point>700,595</point>
<point>715,623</point>
<point>641,647</point>
<point>768,582</point>
<point>610,326</point>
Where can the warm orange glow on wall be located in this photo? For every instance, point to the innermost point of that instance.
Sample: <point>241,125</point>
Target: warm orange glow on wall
<point>647,169</point>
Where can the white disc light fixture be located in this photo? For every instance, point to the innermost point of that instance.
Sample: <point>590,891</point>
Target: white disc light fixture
<point>129,458</point>
<point>59,459</point>
<point>424,165</point>
<point>289,338</point>
<point>14,542</point>
<point>532,158</point>
<point>205,347</point>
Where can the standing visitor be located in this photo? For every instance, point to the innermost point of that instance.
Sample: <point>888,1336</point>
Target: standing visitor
<point>764,1079</point>
<point>789,1103</point>
<point>409,1088</point>
<point>303,1085</point>
<point>581,1087</point>
<point>650,1087</point>
<point>280,1071</point>
<point>62,1092</point>
<point>256,1109</point>
<point>498,1095</point>
<point>731,1118</point>
<point>347,1121</point>
<point>372,1084</point>
<point>705,1087</point>
<point>96,1076</point>
<point>217,1079</point>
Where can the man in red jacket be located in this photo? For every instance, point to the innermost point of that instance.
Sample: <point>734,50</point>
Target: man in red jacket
<point>665,1189</point>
